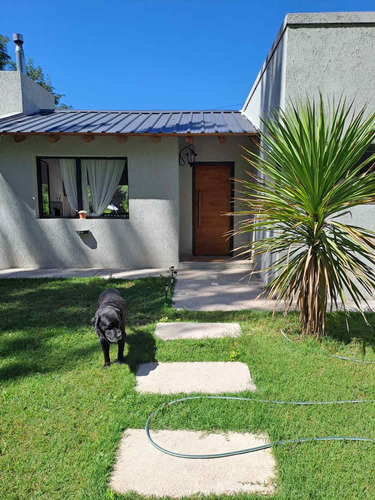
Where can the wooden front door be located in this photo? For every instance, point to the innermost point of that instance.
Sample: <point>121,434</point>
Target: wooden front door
<point>212,200</point>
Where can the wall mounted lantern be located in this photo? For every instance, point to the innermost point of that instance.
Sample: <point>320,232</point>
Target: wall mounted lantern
<point>190,155</point>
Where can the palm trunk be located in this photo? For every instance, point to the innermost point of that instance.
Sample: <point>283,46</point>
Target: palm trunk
<point>313,302</point>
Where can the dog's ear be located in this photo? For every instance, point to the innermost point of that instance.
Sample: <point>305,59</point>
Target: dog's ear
<point>95,322</point>
<point>119,313</point>
<point>120,317</point>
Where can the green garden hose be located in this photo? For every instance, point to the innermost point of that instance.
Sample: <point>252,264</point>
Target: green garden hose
<point>256,448</point>
<point>269,445</point>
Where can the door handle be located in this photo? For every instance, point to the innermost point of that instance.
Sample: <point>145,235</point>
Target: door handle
<point>199,207</point>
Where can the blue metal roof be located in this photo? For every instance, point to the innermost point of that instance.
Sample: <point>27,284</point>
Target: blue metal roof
<point>128,122</point>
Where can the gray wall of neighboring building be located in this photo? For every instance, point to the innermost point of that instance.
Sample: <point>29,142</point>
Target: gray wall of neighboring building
<point>266,95</point>
<point>268,91</point>
<point>334,53</point>
<point>209,149</point>
<point>331,53</point>
<point>20,94</point>
<point>148,239</point>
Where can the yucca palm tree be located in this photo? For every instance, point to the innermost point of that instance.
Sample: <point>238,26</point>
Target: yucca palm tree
<point>311,171</point>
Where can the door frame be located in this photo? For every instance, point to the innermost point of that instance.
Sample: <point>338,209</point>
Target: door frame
<point>231,164</point>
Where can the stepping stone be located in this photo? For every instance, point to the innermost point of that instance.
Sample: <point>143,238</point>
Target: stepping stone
<point>140,467</point>
<point>206,377</point>
<point>174,331</point>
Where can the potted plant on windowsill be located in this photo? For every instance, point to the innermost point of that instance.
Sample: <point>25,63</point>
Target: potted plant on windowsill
<point>82,214</point>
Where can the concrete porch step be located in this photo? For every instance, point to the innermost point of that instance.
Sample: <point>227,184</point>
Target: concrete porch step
<point>216,265</point>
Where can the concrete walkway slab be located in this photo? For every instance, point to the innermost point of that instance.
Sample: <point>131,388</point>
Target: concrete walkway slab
<point>175,331</point>
<point>205,377</point>
<point>58,273</point>
<point>218,290</point>
<point>140,467</point>
<point>132,274</point>
<point>48,273</point>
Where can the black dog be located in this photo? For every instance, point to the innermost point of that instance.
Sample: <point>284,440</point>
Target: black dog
<point>109,323</point>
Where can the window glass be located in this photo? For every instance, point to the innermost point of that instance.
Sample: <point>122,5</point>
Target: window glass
<point>44,177</point>
<point>120,202</point>
<point>55,202</point>
<point>64,187</point>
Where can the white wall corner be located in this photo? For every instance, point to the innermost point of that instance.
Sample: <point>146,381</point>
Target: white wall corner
<point>268,90</point>
<point>20,94</point>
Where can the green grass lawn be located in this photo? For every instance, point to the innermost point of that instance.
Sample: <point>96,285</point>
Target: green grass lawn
<point>62,415</point>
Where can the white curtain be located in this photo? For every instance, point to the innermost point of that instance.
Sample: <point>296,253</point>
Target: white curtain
<point>69,177</point>
<point>104,177</point>
<point>85,194</point>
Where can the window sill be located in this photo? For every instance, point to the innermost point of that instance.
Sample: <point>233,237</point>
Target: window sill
<point>105,217</point>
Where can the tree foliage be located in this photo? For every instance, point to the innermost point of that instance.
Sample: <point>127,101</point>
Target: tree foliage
<point>311,173</point>
<point>34,72</point>
<point>5,59</point>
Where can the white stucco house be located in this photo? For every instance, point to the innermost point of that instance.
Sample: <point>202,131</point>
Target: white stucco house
<point>129,170</point>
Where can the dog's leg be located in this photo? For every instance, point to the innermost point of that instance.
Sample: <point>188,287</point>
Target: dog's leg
<point>120,355</point>
<point>105,348</point>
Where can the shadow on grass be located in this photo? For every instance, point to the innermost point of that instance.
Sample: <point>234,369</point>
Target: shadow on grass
<point>358,333</point>
<point>142,349</point>
<point>45,361</point>
<point>45,324</point>
<point>72,303</point>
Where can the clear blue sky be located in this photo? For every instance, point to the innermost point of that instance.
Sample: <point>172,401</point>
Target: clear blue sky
<point>153,54</point>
